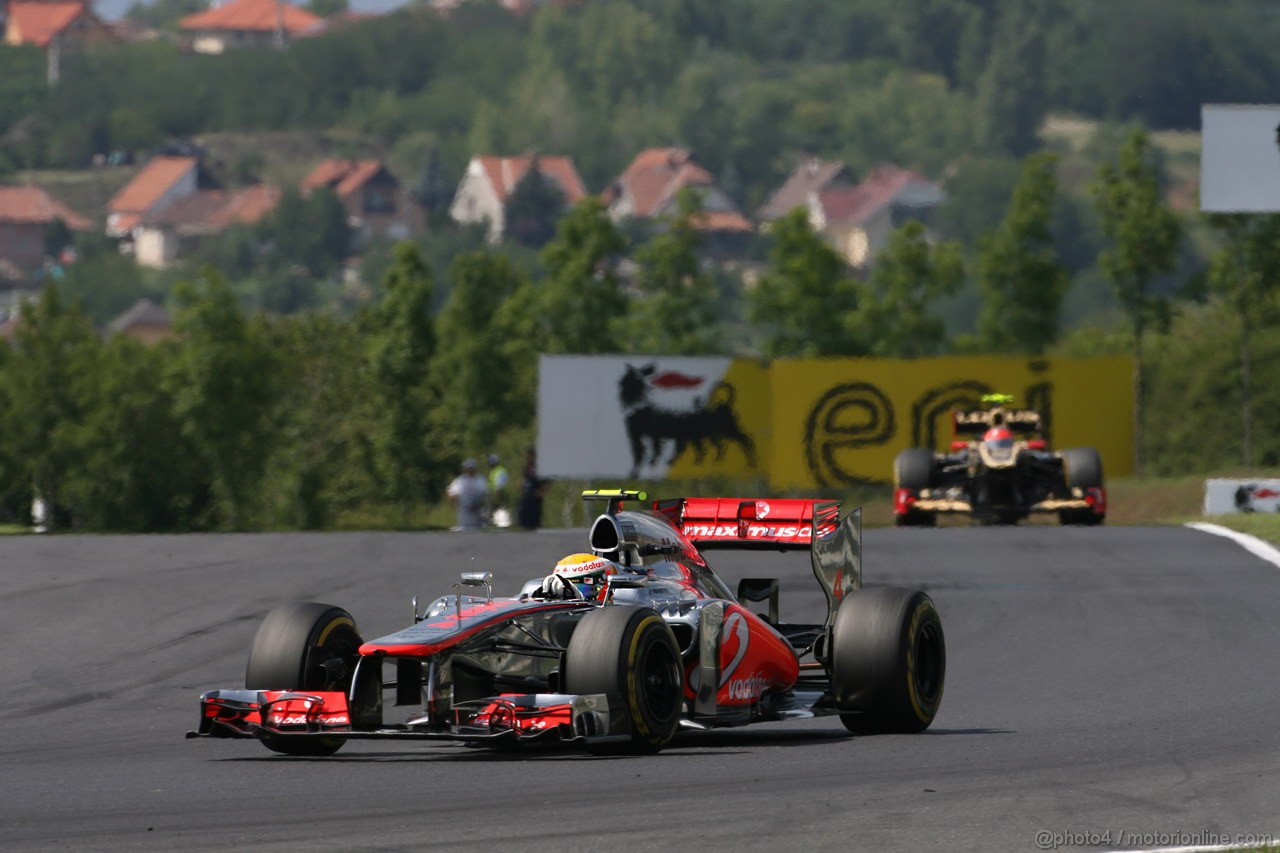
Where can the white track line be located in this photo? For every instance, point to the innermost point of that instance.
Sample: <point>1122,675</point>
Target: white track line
<point>1252,544</point>
<point>1199,849</point>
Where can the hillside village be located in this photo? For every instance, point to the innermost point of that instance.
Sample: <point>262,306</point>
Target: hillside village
<point>166,204</point>
<point>313,256</point>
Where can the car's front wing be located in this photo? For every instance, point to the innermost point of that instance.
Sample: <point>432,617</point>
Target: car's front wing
<point>326,714</point>
<point>931,504</point>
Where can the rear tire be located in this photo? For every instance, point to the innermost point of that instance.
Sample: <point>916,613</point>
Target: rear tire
<point>1082,469</point>
<point>630,654</point>
<point>913,469</point>
<point>888,661</point>
<point>303,646</point>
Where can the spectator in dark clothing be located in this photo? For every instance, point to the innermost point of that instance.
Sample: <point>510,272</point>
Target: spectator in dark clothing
<point>529,514</point>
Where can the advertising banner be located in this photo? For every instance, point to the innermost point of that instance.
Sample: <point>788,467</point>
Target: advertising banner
<point>1227,496</point>
<point>806,423</point>
<point>842,421</point>
<point>651,417</point>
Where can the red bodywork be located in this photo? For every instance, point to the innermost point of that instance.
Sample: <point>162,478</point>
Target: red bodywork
<point>754,659</point>
<point>284,709</point>
<point>737,522</point>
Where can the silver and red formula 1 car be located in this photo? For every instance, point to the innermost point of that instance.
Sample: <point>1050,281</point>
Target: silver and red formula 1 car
<point>617,649</point>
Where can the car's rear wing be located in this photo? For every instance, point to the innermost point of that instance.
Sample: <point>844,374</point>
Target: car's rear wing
<point>975,423</point>
<point>781,523</point>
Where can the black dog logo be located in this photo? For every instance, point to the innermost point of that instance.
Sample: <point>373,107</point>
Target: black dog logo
<point>650,427</point>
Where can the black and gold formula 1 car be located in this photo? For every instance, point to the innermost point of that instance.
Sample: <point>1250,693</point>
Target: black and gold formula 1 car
<point>999,471</point>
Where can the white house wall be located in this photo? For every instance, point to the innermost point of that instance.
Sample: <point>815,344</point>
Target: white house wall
<point>476,202</point>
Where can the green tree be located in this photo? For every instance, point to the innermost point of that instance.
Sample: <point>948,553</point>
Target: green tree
<point>56,354</point>
<point>1010,99</point>
<point>223,381</point>
<point>703,116</point>
<point>107,285</point>
<point>140,472</point>
<point>431,187</point>
<point>1144,235</point>
<point>978,193</point>
<point>928,33</point>
<point>309,233</point>
<point>1194,386</point>
<point>581,302</point>
<point>478,394</point>
<point>908,276</point>
<point>535,205</point>
<point>803,303</point>
<point>401,344</point>
<point>1021,281</point>
<point>675,311</point>
<point>163,13</point>
<point>327,8</point>
<point>1245,275</point>
<point>323,462</point>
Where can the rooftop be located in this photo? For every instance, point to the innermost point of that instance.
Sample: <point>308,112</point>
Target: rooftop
<point>252,16</point>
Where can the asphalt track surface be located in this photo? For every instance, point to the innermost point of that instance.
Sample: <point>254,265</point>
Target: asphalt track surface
<point>1117,679</point>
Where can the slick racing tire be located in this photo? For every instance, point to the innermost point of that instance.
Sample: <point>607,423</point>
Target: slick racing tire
<point>913,469</point>
<point>1082,469</point>
<point>303,646</point>
<point>888,661</point>
<point>630,654</point>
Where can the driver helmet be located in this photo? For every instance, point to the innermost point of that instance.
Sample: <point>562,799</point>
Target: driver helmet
<point>998,437</point>
<point>588,572</point>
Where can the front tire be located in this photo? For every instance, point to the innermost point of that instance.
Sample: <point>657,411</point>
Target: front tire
<point>630,654</point>
<point>889,661</point>
<point>913,470</point>
<point>303,646</point>
<point>1082,469</point>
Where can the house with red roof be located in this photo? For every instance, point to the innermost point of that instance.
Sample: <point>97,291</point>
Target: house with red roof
<point>53,26</point>
<point>377,204</point>
<point>164,235</point>
<point>26,215</point>
<point>858,219</point>
<point>649,187</point>
<point>812,175</point>
<point>247,23</point>
<point>489,181</point>
<point>162,181</point>
<point>145,321</point>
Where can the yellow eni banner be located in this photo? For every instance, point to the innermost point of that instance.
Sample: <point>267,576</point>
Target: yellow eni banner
<point>805,424</point>
<point>842,421</point>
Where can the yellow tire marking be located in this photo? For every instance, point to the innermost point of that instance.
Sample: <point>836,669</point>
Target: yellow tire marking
<point>637,719</point>
<point>341,620</point>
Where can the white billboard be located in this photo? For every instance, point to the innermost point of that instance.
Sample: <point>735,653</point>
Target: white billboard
<point>622,416</point>
<point>1240,158</point>
<point>1227,496</point>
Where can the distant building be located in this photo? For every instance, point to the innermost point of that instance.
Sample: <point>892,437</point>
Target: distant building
<point>811,176</point>
<point>26,215</point>
<point>377,204</point>
<point>248,23</point>
<point>650,185</point>
<point>167,234</point>
<point>53,26</point>
<point>857,220</point>
<point>162,181</point>
<point>145,321</point>
<point>489,181</point>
